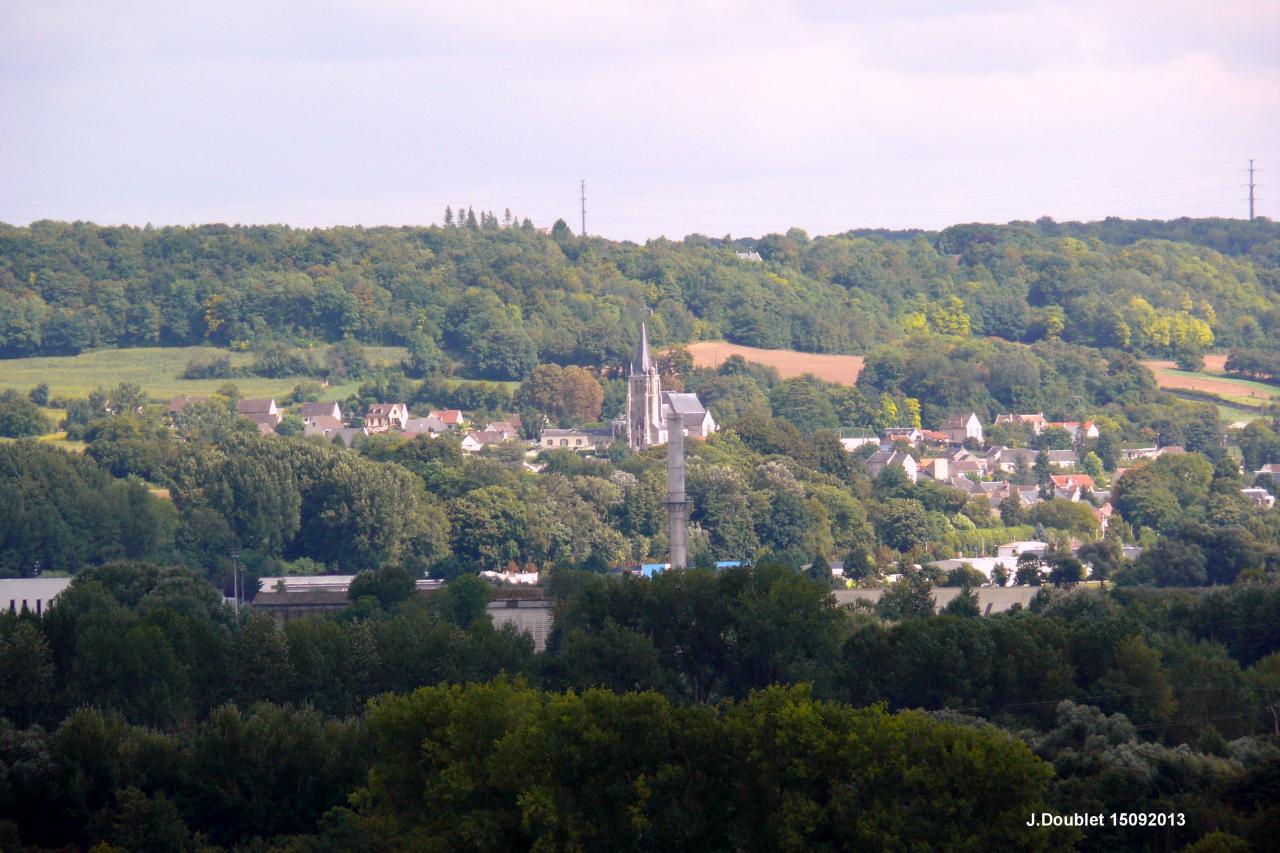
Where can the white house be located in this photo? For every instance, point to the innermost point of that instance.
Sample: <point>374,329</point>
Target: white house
<point>961,428</point>
<point>476,440</point>
<point>565,439</point>
<point>264,413</point>
<point>1260,497</point>
<point>1079,430</point>
<point>1034,422</point>
<point>323,425</point>
<point>310,411</point>
<point>882,459</point>
<point>853,443</point>
<point>384,417</point>
<point>1014,549</point>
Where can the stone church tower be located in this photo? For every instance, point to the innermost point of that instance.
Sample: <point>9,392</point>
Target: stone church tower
<point>644,399</point>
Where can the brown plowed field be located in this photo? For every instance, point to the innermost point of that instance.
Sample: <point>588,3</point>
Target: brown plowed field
<point>843,369</point>
<point>1240,390</point>
<point>1212,364</point>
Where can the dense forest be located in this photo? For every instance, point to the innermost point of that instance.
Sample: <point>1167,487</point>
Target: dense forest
<point>731,710</point>
<point>495,299</point>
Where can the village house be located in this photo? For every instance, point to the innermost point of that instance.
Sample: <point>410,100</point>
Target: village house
<point>568,439</point>
<point>255,409</point>
<point>995,492</point>
<point>595,439</point>
<point>384,417</point>
<point>962,427</point>
<point>1271,469</point>
<point>452,418</point>
<point>1017,549</point>
<point>974,465</point>
<point>853,442</point>
<point>322,425</point>
<point>1035,423</point>
<point>1260,497</point>
<point>1067,493</point>
<point>1078,430</point>
<point>350,434</point>
<point>310,411</point>
<point>429,426</point>
<point>882,459</point>
<point>933,436</point>
<point>478,439</point>
<point>177,404</point>
<point>1066,481</point>
<point>964,484</point>
<point>508,430</point>
<point>1062,458</point>
<point>1005,459</point>
<point>895,435</point>
<point>935,468</point>
<point>263,413</point>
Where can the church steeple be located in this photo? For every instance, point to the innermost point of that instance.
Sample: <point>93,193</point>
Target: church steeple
<point>640,362</point>
<point>644,399</point>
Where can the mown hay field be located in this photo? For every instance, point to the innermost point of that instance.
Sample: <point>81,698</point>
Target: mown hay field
<point>843,369</point>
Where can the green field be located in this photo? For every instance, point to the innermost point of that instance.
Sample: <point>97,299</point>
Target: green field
<point>1231,414</point>
<point>158,371</point>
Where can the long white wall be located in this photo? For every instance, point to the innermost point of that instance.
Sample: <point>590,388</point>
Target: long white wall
<point>33,594</point>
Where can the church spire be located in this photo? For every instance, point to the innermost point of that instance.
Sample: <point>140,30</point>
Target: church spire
<point>641,363</point>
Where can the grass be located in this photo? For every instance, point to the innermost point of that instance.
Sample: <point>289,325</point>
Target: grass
<point>158,371</point>
<point>1237,413</point>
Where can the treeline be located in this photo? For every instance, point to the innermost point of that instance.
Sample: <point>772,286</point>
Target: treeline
<point>142,713</point>
<point>1255,364</point>
<point>495,300</point>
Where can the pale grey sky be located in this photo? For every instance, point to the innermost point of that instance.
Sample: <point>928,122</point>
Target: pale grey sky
<point>714,117</point>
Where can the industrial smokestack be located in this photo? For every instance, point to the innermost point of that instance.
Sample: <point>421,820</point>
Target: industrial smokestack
<point>677,506</point>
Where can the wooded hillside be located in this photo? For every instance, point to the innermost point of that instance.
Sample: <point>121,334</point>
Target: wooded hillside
<point>501,298</point>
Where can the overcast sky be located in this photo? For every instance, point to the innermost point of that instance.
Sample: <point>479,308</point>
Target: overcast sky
<point>711,117</point>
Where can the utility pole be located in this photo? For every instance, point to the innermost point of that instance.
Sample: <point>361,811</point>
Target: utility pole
<point>582,185</point>
<point>1250,191</point>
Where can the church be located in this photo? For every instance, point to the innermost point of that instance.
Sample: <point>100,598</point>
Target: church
<point>649,407</point>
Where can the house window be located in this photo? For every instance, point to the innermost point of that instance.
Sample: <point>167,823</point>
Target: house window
<point>577,441</point>
<point>564,442</point>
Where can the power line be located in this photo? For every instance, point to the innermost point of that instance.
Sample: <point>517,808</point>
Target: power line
<point>582,188</point>
<point>1251,185</point>
<point>807,200</point>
